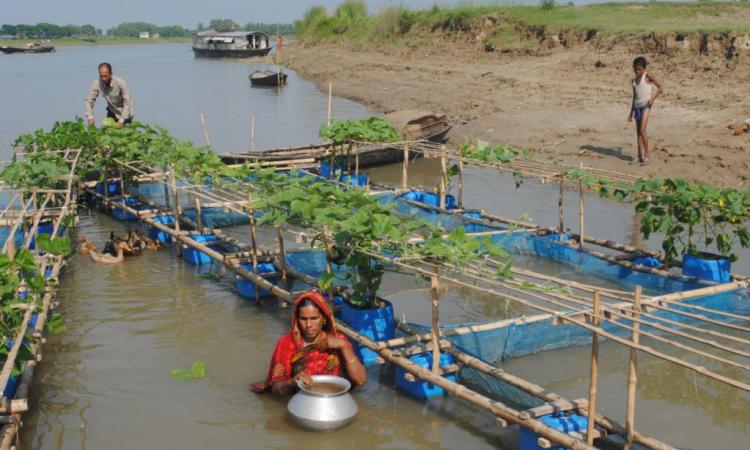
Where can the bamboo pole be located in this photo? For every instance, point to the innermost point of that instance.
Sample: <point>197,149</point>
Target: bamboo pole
<point>329,268</point>
<point>330,102</point>
<point>252,134</point>
<point>349,158</point>
<point>254,243</point>
<point>175,208</point>
<point>594,371</point>
<point>560,206</point>
<point>435,299</point>
<point>356,164</point>
<point>633,372</point>
<point>581,216</point>
<point>198,211</point>
<point>460,184</point>
<point>282,257</point>
<point>166,195</point>
<point>443,177</point>
<point>405,168</point>
<point>205,130</point>
<point>106,183</point>
<point>122,188</point>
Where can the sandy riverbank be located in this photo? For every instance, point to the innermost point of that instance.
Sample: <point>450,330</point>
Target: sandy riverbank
<point>564,103</point>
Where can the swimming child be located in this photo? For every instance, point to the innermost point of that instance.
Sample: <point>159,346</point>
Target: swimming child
<point>644,96</point>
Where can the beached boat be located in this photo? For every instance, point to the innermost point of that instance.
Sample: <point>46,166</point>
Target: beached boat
<point>412,125</point>
<point>267,78</point>
<point>233,44</point>
<point>34,48</point>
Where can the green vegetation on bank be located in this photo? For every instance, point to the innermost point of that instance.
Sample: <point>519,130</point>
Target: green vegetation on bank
<point>351,22</point>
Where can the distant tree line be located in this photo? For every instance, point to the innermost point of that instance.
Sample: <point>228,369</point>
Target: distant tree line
<point>134,29</point>
<point>49,31</point>
<point>231,25</point>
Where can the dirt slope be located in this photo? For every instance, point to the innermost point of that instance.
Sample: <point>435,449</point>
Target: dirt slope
<point>567,99</point>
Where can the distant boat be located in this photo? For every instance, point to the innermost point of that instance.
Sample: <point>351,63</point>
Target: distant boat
<point>267,78</point>
<point>231,44</point>
<point>29,48</point>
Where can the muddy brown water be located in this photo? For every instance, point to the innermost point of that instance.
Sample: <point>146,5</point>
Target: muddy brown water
<point>105,383</point>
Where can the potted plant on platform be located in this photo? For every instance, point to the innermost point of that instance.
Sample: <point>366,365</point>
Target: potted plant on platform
<point>696,219</point>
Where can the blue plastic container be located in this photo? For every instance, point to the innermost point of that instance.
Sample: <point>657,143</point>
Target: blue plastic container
<point>32,321</point>
<point>377,324</point>
<point>473,227</point>
<point>558,421</point>
<point>193,256</point>
<point>707,266</point>
<point>354,180</point>
<point>246,288</point>
<point>45,228</point>
<point>17,238</point>
<point>325,169</point>
<point>422,389</point>
<point>10,388</point>
<point>158,235</point>
<point>113,188</point>
<point>556,237</point>
<point>431,199</point>
<point>122,215</point>
<point>647,261</point>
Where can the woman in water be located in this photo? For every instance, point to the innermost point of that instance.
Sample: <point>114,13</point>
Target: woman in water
<point>313,347</point>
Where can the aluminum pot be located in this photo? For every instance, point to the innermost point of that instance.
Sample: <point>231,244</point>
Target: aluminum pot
<point>327,410</point>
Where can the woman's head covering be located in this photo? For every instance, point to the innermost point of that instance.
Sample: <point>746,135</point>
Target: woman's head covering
<point>316,297</point>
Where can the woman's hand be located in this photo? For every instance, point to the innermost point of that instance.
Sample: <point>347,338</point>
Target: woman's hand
<point>328,342</point>
<point>304,377</point>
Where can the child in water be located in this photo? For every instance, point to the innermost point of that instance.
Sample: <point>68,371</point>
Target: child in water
<point>644,96</point>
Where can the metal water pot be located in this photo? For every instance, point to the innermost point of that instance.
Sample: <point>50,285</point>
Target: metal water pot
<point>323,410</point>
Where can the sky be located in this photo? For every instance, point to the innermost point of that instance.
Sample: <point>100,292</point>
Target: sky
<point>106,14</point>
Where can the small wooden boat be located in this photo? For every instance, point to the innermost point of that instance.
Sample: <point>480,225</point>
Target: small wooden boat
<point>34,48</point>
<point>267,78</point>
<point>412,125</point>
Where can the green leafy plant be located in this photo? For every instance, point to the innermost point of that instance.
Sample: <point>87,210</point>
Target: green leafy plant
<point>355,226</point>
<point>482,151</point>
<point>56,324</point>
<point>197,370</point>
<point>55,246</point>
<point>683,211</point>
<point>373,129</point>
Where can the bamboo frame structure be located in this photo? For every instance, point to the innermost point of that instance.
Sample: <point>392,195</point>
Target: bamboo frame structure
<point>66,198</point>
<point>561,318</point>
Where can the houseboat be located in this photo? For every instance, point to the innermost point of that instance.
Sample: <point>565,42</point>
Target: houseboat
<point>231,44</point>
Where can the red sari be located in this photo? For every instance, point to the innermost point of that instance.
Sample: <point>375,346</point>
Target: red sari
<point>292,356</point>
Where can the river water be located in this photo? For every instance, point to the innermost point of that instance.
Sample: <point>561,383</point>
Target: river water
<point>105,383</point>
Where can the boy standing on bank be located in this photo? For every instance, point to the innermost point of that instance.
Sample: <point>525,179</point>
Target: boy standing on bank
<point>645,91</point>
